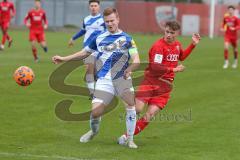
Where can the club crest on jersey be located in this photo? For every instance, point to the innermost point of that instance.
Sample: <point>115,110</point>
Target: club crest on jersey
<point>5,8</point>
<point>119,46</point>
<point>172,57</point>
<point>178,48</point>
<point>158,58</point>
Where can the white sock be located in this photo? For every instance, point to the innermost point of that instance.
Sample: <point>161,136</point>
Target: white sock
<point>130,122</point>
<point>94,124</point>
<point>90,82</point>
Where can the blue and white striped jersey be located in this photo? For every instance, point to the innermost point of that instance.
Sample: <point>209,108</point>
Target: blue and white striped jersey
<point>92,26</point>
<point>113,52</point>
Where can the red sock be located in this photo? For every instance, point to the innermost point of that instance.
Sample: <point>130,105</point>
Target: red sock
<point>34,51</point>
<point>140,125</point>
<point>8,37</point>
<point>225,54</point>
<point>4,39</point>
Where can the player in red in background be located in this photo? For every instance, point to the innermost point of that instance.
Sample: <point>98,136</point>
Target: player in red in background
<point>155,89</point>
<point>7,11</point>
<point>36,21</point>
<point>230,26</point>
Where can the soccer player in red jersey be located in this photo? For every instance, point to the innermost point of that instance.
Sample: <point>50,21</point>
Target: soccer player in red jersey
<point>7,11</point>
<point>230,26</point>
<point>155,89</point>
<point>36,21</point>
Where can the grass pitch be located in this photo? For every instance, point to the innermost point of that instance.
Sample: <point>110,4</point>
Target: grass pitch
<point>201,121</point>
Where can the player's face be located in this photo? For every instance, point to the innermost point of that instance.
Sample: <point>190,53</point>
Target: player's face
<point>112,22</point>
<point>37,4</point>
<point>94,8</point>
<point>170,35</point>
<point>231,11</point>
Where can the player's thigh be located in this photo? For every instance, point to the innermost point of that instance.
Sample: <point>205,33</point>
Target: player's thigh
<point>41,38</point>
<point>125,90</point>
<point>104,92</point>
<point>139,105</point>
<point>5,26</point>
<point>226,43</point>
<point>152,111</point>
<point>32,36</point>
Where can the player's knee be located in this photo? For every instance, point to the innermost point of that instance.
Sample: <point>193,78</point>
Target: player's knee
<point>95,114</point>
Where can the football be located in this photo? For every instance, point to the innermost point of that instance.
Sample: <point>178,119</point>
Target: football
<point>24,76</point>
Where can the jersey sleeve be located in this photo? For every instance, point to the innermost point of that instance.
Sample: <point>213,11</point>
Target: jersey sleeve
<point>92,47</point>
<point>156,57</point>
<point>13,9</point>
<point>133,48</point>
<point>80,33</point>
<point>45,18</point>
<point>26,18</point>
<point>185,53</point>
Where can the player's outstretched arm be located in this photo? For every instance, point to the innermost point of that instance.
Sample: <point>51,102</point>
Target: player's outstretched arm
<point>78,55</point>
<point>179,68</point>
<point>195,40</point>
<point>76,36</point>
<point>134,65</point>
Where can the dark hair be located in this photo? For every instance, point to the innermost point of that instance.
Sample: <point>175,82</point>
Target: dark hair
<point>109,11</point>
<point>174,25</point>
<point>92,1</point>
<point>231,6</point>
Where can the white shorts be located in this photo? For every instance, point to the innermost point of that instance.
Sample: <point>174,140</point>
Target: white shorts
<point>106,89</point>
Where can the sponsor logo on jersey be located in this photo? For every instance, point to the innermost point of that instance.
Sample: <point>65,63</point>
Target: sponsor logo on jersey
<point>172,57</point>
<point>37,18</point>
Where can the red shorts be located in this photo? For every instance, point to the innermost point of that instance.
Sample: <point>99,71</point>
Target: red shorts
<point>38,36</point>
<point>154,92</point>
<point>5,25</point>
<point>232,41</point>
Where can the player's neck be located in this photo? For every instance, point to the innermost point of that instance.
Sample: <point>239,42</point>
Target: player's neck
<point>94,14</point>
<point>116,31</point>
<point>37,9</point>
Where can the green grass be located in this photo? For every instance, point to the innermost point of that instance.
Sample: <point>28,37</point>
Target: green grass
<point>30,130</point>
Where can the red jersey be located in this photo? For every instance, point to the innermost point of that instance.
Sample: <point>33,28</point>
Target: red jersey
<point>37,19</point>
<point>5,11</point>
<point>229,22</point>
<point>163,57</point>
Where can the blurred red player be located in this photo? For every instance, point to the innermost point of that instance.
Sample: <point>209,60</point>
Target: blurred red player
<point>154,91</point>
<point>7,11</point>
<point>230,26</point>
<point>36,21</point>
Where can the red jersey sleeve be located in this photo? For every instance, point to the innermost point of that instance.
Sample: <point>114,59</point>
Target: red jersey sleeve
<point>45,18</point>
<point>12,8</point>
<point>185,53</point>
<point>156,57</point>
<point>26,18</point>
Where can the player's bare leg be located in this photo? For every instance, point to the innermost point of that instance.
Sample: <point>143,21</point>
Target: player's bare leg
<point>95,118</point>
<point>89,77</point>
<point>226,62</point>
<point>128,98</point>
<point>34,51</point>
<point>44,46</point>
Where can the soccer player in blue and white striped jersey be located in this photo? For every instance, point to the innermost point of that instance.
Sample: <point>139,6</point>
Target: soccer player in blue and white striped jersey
<point>92,26</point>
<point>114,50</point>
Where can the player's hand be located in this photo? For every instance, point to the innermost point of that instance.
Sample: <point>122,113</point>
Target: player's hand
<point>127,74</point>
<point>222,30</point>
<point>28,25</point>
<point>179,68</point>
<point>196,38</point>
<point>71,43</point>
<point>57,59</point>
<point>45,26</point>
<point>232,28</point>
